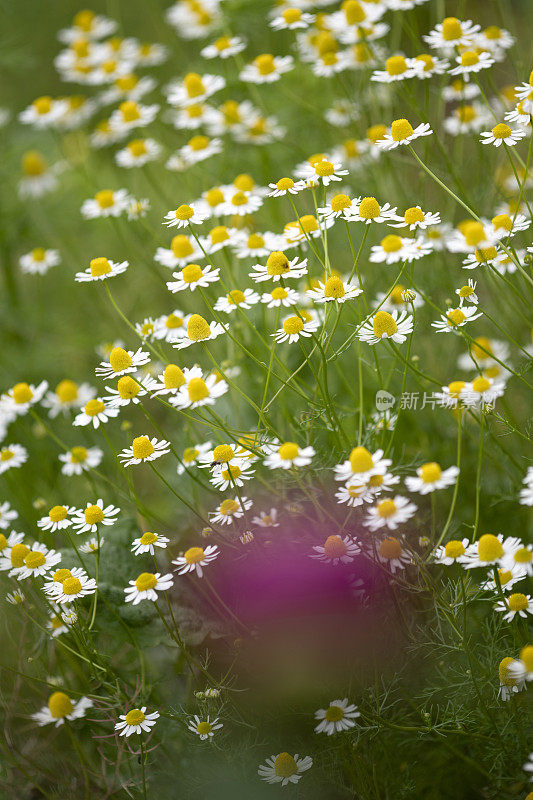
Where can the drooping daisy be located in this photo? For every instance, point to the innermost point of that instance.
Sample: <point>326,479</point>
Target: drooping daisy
<point>197,391</point>
<point>456,318</point>
<point>266,68</point>
<point>389,513</point>
<point>72,588</point>
<point>287,455</point>
<point>12,456</point>
<point>205,729</point>
<point>39,261</point>
<point>100,269</point>
<point>284,768</point>
<point>80,459</point>
<point>229,509</point>
<point>7,515</point>
<point>338,716</point>
<point>128,391</point>
<point>393,249</point>
<point>199,330</point>
<point>277,267</point>
<point>354,494</point>
<point>138,152</point>
<point>517,603</point>
<point>122,362</point>
<point>452,552</point>
<point>502,134</point>
<point>467,293</point>
<point>193,276</point>
<point>195,558</point>
<point>15,598</point>
<point>482,391</point>
<point>402,132</point>
<point>106,203</point>
<point>58,518</point>
<point>470,62</point>
<point>396,326</point>
<point>146,587</point>
<point>489,550</point>
<point>392,555</point>
<point>96,411</point>
<point>136,721</point>
<point>336,550</point>
<point>296,326</point>
<point>334,289</point>
<point>143,449</point>
<point>430,477</point>
<point>148,542</point>
<point>38,561</point>
<point>185,215</point>
<point>92,545</point>
<point>60,708</point>
<point>94,514</point>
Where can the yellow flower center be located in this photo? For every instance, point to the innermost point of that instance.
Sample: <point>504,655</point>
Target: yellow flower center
<point>265,64</point>
<point>277,263</point>
<point>279,293</point>
<point>191,273</point>
<point>505,576</point>
<point>204,728</point>
<point>184,212</point>
<point>223,453</point>
<point>413,215</point>
<point>84,20</point>
<point>469,58</point>
<point>231,473</point>
<point>239,199</point>
<point>391,243</point>
<point>503,671</point>
<point>361,460</point>
<point>465,291</point>
<point>369,208</point>
<point>190,454</point>
<point>396,295</point>
<point>42,105</point>
<point>518,602</point>
<point>501,131</point>
<point>38,254</point>
<point>384,324</point>
<point>454,549</point>
<point>57,513</point>
<point>489,548</point>
<point>523,556</point>
<point>308,223</point>
<point>130,111</point>
<point>59,705</point>
<point>135,716</point>
<point>94,407</point>
<point>293,325</point>
<point>455,388</point>
<point>181,246</point>
<point>334,547</point>
<point>284,184</point>
<point>198,328</point>
<point>285,765</point>
<point>502,221</point>
<point>376,132</point>
<point>105,198</point>
<point>198,142</point>
<point>22,393</point>
<point>79,454</point>
<point>451,29</point>
<point>401,129</point>
<point>193,555</point>
<point>390,548</point>
<point>197,390</point>
<point>72,586</point>
<point>142,447</point>
<point>455,317</point>
<point>386,508</point>
<point>35,559</point>
<point>288,451</point>
<point>235,297</point>
<point>33,164</point>
<point>427,60</point>
<point>3,542</point>
<point>18,554</point>
<point>173,321</point>
<point>127,82</point>
<point>223,43</point>
<point>244,182</point>
<point>148,538</point>
<point>219,234</point>
<point>526,655</point>
<point>128,387</point>
<point>194,86</point>
<point>145,581</point>
<point>473,232</point>
<point>340,201</point>
<point>334,714</point>
<point>6,454</point>
<point>353,12</point>
<point>61,575</point>
<point>431,472</point>
<point>99,266</point>
<point>93,515</point>
<point>324,168</point>
<point>229,507</point>
<point>485,254</point>
<point>466,113</point>
<point>334,287</point>
<point>291,15</point>
<point>67,391</point>
<point>396,65</point>
<point>214,197</point>
<point>173,377</point>
<point>480,385</point>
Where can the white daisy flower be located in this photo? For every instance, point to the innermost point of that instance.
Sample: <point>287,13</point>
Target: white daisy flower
<point>122,362</point>
<point>338,716</point>
<point>106,203</point>
<point>396,326</point>
<point>361,466</point>
<point>266,68</point>
<point>277,267</point>
<point>44,112</point>
<point>402,132</point>
<point>295,327</point>
<point>354,494</point>
<point>237,298</point>
<point>230,509</point>
<point>456,318</point>
<point>504,226</point>
<point>15,598</point>
<point>199,330</point>
<point>512,675</point>
<point>130,115</point>
<point>414,218</point>
<point>60,708</point>
<point>39,261</point>
<point>467,119</point>
<point>470,62</point>
<point>224,47</point>
<point>393,249</point>
<point>452,552</point>
<point>7,515</point>
<point>280,296</point>
<point>87,25</point>
<point>94,413</point>
<point>195,558</point>
<point>194,89</point>
<point>80,459</point>
<point>287,455</point>
<point>128,391</point>
<point>183,249</point>
<point>322,172</point>
<point>67,395</point>
<point>451,33</point>
<point>192,455</point>
<point>193,276</point>
<point>146,587</point>
<point>143,449</point>
<point>519,560</point>
<point>137,153</point>
<point>256,245</point>
<point>397,68</point>
<point>430,477</point>
<point>389,513</point>
<point>13,551</point>
<point>340,206</point>
<point>283,187</point>
<point>517,603</point>
<point>12,456</point>
<point>292,19</point>
<point>136,721</point>
<point>148,542</point>
<point>431,65</point>
<point>72,588</point>
<point>526,494</point>
<point>197,392</point>
<point>392,555</point>
<point>334,289</point>
<point>87,520</point>
<point>171,326</point>
<point>57,519</point>
<point>205,729</point>
<point>489,550</point>
<point>467,293</point>
<point>92,545</point>
<point>100,269</point>
<point>241,204</point>
<point>368,210</point>
<point>19,399</point>
<point>267,519</point>
<point>197,149</point>
<point>185,215</point>
<point>482,391</point>
<point>54,582</point>
<point>336,550</point>
<point>284,768</point>
<point>502,134</point>
<point>38,561</point>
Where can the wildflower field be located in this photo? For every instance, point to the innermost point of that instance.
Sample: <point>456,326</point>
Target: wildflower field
<point>266,473</point>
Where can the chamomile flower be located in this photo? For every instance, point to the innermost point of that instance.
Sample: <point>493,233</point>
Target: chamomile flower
<point>16,597</point>
<point>87,520</point>
<point>106,203</point>
<point>391,554</point>
<point>368,210</point>
<point>193,276</point>
<point>416,219</point>
<point>236,298</point>
<point>39,261</point>
<point>138,152</point>
<point>229,509</point>
<point>185,215</point>
<point>198,391</point>
<point>340,206</point>
<point>517,603</point>
<point>296,326</point>
<point>470,62</point>
<point>183,250</point>
<point>60,708</point>
<point>92,545</point>
<point>7,515</point>
<point>130,115</point>
<point>136,721</point>
<point>467,119</point>
<point>241,204</point>
<point>502,134</point>
<point>334,289</point>
<point>192,455</point>
<point>292,19</point>
<point>128,391</point>
<point>322,171</point>
<point>467,293</point>
<point>100,269</point>
<point>277,267</point>
<point>361,466</point>
<point>219,237</point>
<point>146,586</point>
<point>197,149</point>
<point>281,296</point>
<point>451,33</point>
<point>287,455</point>
<point>80,459</point>
<point>38,561</point>
<point>283,187</point>
<point>94,413</point>
<point>519,559</point>
<point>38,177</point>
<point>19,399</point>
<point>66,396</point>
<point>430,65</point>
<point>224,47</point>
<point>256,245</point>
<point>267,519</point>
<point>393,249</point>
<point>122,362</point>
<point>12,456</point>
<point>284,768</point>
<point>195,558</point>
<point>199,330</point>
<point>430,477</point>
<point>148,542</point>
<point>205,729</point>
<point>266,68</point>
<point>512,675</point>
<point>504,226</point>
<point>389,513</point>
<point>72,588</point>
<point>194,89</point>
<point>338,716</point>
<point>456,318</point>
<point>397,68</point>
<point>452,552</point>
<point>354,494</point>
<point>57,519</point>
<point>402,132</point>
<point>482,391</point>
<point>337,550</point>
<point>396,325</point>
<point>44,112</point>
<point>489,550</point>
<point>143,449</point>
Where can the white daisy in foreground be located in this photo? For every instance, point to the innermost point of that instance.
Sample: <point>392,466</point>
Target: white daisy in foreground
<point>393,249</point>
<point>185,215</point>
<point>334,288</point>
<point>13,551</point>
<point>361,466</point>
<point>451,552</point>
<point>72,588</point>
<point>368,210</point>
<point>195,558</point>
<point>229,509</point>
<point>96,411</point>
<point>389,513</point>
<point>146,587</point>
<point>402,132</point>
<point>520,559</point>
<point>80,459</point>
<point>12,455</point>
<point>287,455</point>
<point>230,476</point>
<point>396,325</point>
<point>7,515</point>
<point>416,219</point>
<point>467,293</point>
<point>67,395</point>
<point>283,187</point>
<point>502,134</point>
<point>470,62</point>
<point>517,603</point>
<point>488,551</point>
<point>391,554</point>
<point>481,391</point>
<point>236,298</point>
<point>193,276</point>
<point>136,721</point>
<point>148,542</point>
<point>144,449</point>
<point>277,267</point>
<point>280,296</point>
<point>95,514</point>
<point>39,261</point>
<point>284,768</point>
<point>38,561</point>
<point>451,33</point>
<point>58,518</point>
<point>338,716</point>
<point>60,708</point>
<point>106,203</point>
<point>100,269</point>
<point>199,330</point>
<point>322,171</point>
<point>92,545</point>
<point>121,362</point>
<point>296,326</point>
<point>205,729</point>
<point>197,392</point>
<point>512,675</point>
<point>430,477</point>
<point>337,550</point>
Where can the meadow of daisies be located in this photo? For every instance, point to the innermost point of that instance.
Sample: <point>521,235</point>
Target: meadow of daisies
<point>265,404</point>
